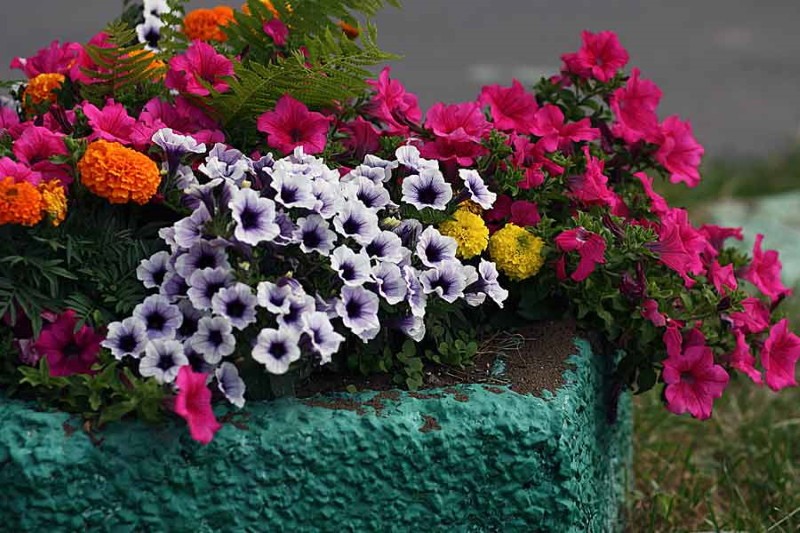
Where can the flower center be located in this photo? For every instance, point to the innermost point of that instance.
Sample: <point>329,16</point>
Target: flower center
<point>687,377</point>
<point>127,343</point>
<point>353,308</point>
<point>277,350</point>
<point>311,239</point>
<point>427,195</point>
<point>156,321</point>
<point>215,337</point>
<point>206,261</point>
<point>235,309</point>
<point>351,226</point>
<point>71,350</point>
<point>165,361</point>
<point>249,219</point>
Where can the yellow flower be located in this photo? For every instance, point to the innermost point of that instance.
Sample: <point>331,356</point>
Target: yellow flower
<point>54,200</point>
<point>469,231</point>
<point>119,174</point>
<point>516,251</point>
<point>471,206</point>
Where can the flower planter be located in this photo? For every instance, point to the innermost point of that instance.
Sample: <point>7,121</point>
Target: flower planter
<point>464,458</point>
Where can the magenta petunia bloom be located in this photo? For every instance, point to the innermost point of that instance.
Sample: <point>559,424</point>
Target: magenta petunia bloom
<point>512,108</point>
<point>112,123</point>
<point>693,379</point>
<point>277,30</point>
<point>182,117</point>
<point>742,358</point>
<point>722,277</point>
<point>754,318</point>
<point>459,129</point>
<point>68,351</point>
<point>679,245</point>
<point>590,246</point>
<point>634,107</point>
<point>600,57</point>
<point>55,59</point>
<point>362,137</point>
<point>291,124</point>
<point>198,67</point>
<point>525,213</point>
<point>717,235</point>
<point>9,120</point>
<point>532,157</point>
<point>779,356</point>
<point>19,171</point>
<point>658,205</point>
<point>392,105</point>
<point>36,146</point>
<point>591,187</point>
<point>193,403</point>
<point>764,271</point>
<point>650,312</point>
<point>548,123</point>
<point>84,61</point>
<point>679,153</point>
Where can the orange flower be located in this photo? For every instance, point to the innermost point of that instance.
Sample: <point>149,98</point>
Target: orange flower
<point>351,31</point>
<point>54,201</point>
<point>268,5</point>
<point>20,203</point>
<point>156,69</point>
<point>119,174</point>
<point>40,88</point>
<point>207,24</point>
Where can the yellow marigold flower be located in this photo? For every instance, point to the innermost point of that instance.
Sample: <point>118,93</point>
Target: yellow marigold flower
<point>40,88</point>
<point>54,201</point>
<point>469,231</point>
<point>517,252</point>
<point>20,203</point>
<point>118,174</point>
<point>471,206</point>
<point>207,24</point>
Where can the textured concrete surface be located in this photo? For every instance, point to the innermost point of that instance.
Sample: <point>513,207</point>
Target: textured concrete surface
<point>470,459</point>
<point>730,66</point>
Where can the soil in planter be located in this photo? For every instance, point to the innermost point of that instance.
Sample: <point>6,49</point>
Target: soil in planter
<point>533,360</point>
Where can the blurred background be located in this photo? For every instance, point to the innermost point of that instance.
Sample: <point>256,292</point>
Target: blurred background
<point>731,66</point>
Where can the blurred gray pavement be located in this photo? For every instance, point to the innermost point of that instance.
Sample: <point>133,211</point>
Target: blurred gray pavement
<point>730,66</point>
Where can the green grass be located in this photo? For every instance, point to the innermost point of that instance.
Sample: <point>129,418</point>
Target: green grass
<point>739,471</point>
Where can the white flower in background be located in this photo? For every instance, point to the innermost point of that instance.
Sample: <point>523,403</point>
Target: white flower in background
<point>373,196</point>
<point>162,360</point>
<point>151,272</point>
<point>299,306</point>
<point>328,196</point>
<point>237,303</point>
<point>358,222</point>
<point>416,297</point>
<point>324,339</point>
<point>274,298</point>
<point>433,248</point>
<point>313,234</point>
<point>201,254</point>
<point>227,163</point>
<point>213,339</point>
<point>189,230</point>
<point>353,268</point>
<point>230,384</point>
<point>486,285</point>
<point>205,283</point>
<point>375,162</point>
<point>358,309</point>
<point>276,349</point>
<point>478,191</point>
<point>149,32</point>
<point>447,280</point>
<point>254,216</point>
<point>160,317</point>
<point>427,189</point>
<point>292,190</point>
<point>127,338</point>
<point>386,246</point>
<point>413,326</point>
<point>408,156</point>
<point>391,284</point>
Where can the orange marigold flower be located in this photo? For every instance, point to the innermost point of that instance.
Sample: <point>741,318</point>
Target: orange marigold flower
<point>118,174</point>
<point>20,203</point>
<point>268,5</point>
<point>40,88</point>
<point>54,201</point>
<point>207,24</point>
<point>351,31</point>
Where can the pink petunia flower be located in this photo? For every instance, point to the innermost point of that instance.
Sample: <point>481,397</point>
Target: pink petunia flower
<point>291,124</point>
<point>658,205</point>
<point>459,129</point>
<point>193,403</point>
<point>754,318</point>
<point>19,171</point>
<point>591,187</point>
<point>722,277</point>
<point>512,108</point>
<point>55,59</point>
<point>112,123</point>
<point>600,57</point>
<point>651,313</point>
<point>68,351</point>
<point>36,146</point>
<point>392,105</point>
<point>532,158</point>
<point>524,213</point>
<point>693,379</point>
<point>277,30</point>
<point>764,271</point>
<point>9,119</point>
<point>679,245</point>
<point>200,66</point>
<point>548,123</point>
<point>742,358</point>
<point>679,152</point>
<point>85,62</point>
<point>182,117</point>
<point>362,137</point>
<point>500,212</point>
<point>717,235</point>
<point>634,107</point>
<point>779,356</point>
<point>590,246</point>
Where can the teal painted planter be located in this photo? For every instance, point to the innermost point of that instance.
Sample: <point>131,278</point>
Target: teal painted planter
<point>469,458</point>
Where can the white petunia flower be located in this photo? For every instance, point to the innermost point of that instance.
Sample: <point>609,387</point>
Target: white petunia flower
<point>277,349</point>
<point>163,360</point>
